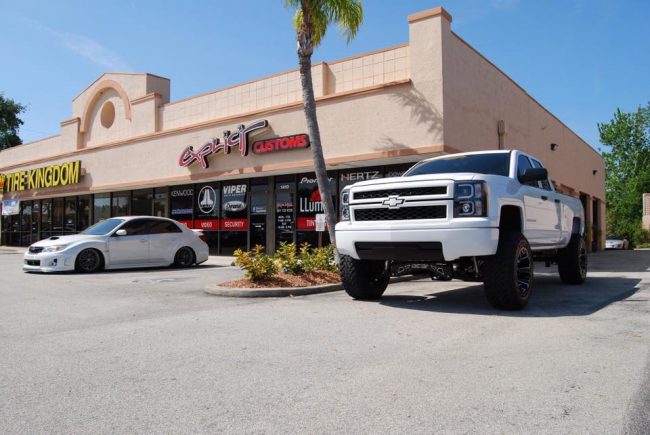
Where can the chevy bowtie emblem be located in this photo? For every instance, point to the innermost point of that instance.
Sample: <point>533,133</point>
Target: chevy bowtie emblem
<point>393,201</point>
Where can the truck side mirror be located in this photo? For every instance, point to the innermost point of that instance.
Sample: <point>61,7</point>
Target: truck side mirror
<point>533,174</point>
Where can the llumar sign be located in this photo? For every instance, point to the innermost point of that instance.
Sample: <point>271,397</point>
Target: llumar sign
<point>237,138</point>
<point>45,177</point>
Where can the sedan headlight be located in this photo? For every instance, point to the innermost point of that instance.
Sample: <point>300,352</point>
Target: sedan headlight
<point>56,248</point>
<point>470,199</point>
<point>345,205</point>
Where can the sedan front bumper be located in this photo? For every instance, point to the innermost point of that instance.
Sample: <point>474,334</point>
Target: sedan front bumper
<point>48,262</point>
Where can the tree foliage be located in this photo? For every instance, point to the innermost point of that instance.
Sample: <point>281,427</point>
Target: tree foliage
<point>311,20</point>
<point>627,167</point>
<point>10,122</point>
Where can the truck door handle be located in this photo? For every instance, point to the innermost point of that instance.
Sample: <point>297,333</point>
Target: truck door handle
<point>557,200</point>
<point>544,197</point>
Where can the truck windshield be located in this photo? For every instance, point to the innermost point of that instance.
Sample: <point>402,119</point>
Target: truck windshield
<point>489,164</point>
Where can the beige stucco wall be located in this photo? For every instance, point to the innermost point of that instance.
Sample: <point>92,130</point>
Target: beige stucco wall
<point>477,95</point>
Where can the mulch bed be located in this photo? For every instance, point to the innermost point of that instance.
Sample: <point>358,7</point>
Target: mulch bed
<point>318,277</point>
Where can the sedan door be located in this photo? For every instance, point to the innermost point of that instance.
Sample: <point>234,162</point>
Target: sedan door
<point>165,239</point>
<point>131,249</point>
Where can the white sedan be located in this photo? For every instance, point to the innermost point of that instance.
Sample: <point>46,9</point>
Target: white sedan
<point>116,243</point>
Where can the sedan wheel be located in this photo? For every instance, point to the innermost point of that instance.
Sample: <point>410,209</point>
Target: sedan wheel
<point>184,257</point>
<point>88,261</point>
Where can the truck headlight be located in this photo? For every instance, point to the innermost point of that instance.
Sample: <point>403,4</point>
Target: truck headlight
<point>470,199</point>
<point>345,205</point>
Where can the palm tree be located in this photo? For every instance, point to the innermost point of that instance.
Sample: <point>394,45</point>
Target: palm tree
<point>311,20</point>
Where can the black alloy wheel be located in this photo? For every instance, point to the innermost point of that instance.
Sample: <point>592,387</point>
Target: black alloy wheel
<point>88,261</point>
<point>184,257</point>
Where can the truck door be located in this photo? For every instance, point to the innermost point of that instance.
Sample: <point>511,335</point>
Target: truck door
<point>542,222</point>
<point>556,210</point>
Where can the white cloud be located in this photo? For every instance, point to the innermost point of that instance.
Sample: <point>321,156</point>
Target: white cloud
<point>87,48</point>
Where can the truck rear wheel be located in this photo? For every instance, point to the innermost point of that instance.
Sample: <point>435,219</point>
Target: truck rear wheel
<point>572,261</point>
<point>508,275</point>
<point>363,279</point>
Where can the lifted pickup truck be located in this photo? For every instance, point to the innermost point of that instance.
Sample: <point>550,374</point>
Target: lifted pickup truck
<point>482,216</point>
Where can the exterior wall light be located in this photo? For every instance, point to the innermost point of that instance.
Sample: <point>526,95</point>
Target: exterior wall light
<point>554,146</point>
<point>595,171</point>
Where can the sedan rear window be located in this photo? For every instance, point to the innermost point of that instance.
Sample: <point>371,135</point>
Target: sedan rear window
<point>102,227</point>
<point>489,164</point>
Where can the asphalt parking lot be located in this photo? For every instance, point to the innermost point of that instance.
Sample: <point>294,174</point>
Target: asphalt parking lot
<point>147,351</point>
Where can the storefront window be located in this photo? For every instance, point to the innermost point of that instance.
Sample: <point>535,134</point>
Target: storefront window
<point>259,199</point>
<point>101,207</point>
<point>141,204</point>
<point>309,205</point>
<point>181,202</point>
<point>160,202</point>
<point>46,218</point>
<point>70,217</point>
<point>58,213</point>
<point>36,219</point>
<point>25,223</point>
<point>120,204</point>
<point>285,188</point>
<point>234,217</point>
<point>206,213</point>
<point>83,213</point>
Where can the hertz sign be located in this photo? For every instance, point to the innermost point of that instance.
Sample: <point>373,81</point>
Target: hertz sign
<point>45,177</point>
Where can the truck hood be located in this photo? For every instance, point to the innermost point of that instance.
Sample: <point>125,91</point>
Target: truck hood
<point>427,177</point>
<point>65,240</point>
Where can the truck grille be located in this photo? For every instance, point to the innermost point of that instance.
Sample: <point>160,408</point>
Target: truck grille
<point>410,191</point>
<point>404,213</point>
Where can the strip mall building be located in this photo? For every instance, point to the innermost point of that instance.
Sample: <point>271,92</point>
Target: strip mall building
<point>236,162</point>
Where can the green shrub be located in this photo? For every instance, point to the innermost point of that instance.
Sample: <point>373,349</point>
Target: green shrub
<point>256,263</point>
<point>317,258</point>
<point>287,259</point>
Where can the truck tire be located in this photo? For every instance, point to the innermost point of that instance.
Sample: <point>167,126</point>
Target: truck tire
<point>508,275</point>
<point>572,261</point>
<point>363,279</point>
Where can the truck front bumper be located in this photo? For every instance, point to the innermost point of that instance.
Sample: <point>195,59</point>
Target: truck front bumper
<point>424,244</point>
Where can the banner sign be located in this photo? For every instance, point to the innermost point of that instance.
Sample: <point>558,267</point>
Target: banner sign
<point>10,207</point>
<point>281,144</point>
<point>238,138</point>
<point>48,176</point>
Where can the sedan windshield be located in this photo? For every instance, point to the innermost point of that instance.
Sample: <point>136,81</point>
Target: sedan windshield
<point>489,164</point>
<point>102,227</point>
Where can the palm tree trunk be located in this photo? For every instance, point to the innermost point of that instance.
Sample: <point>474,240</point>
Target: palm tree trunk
<point>309,104</point>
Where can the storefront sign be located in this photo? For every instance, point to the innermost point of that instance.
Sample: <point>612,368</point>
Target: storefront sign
<point>238,138</point>
<point>233,207</point>
<point>284,143</point>
<point>207,200</point>
<point>10,207</point>
<point>48,176</point>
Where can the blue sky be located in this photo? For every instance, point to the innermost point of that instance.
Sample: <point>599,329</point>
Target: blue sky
<point>580,59</point>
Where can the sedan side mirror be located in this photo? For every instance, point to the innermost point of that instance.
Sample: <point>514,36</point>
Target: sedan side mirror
<point>120,233</point>
<point>533,174</point>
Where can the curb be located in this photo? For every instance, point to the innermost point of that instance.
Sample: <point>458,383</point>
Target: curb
<point>278,292</point>
<point>271,292</point>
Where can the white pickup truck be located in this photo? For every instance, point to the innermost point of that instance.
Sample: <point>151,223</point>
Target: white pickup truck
<point>478,216</point>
